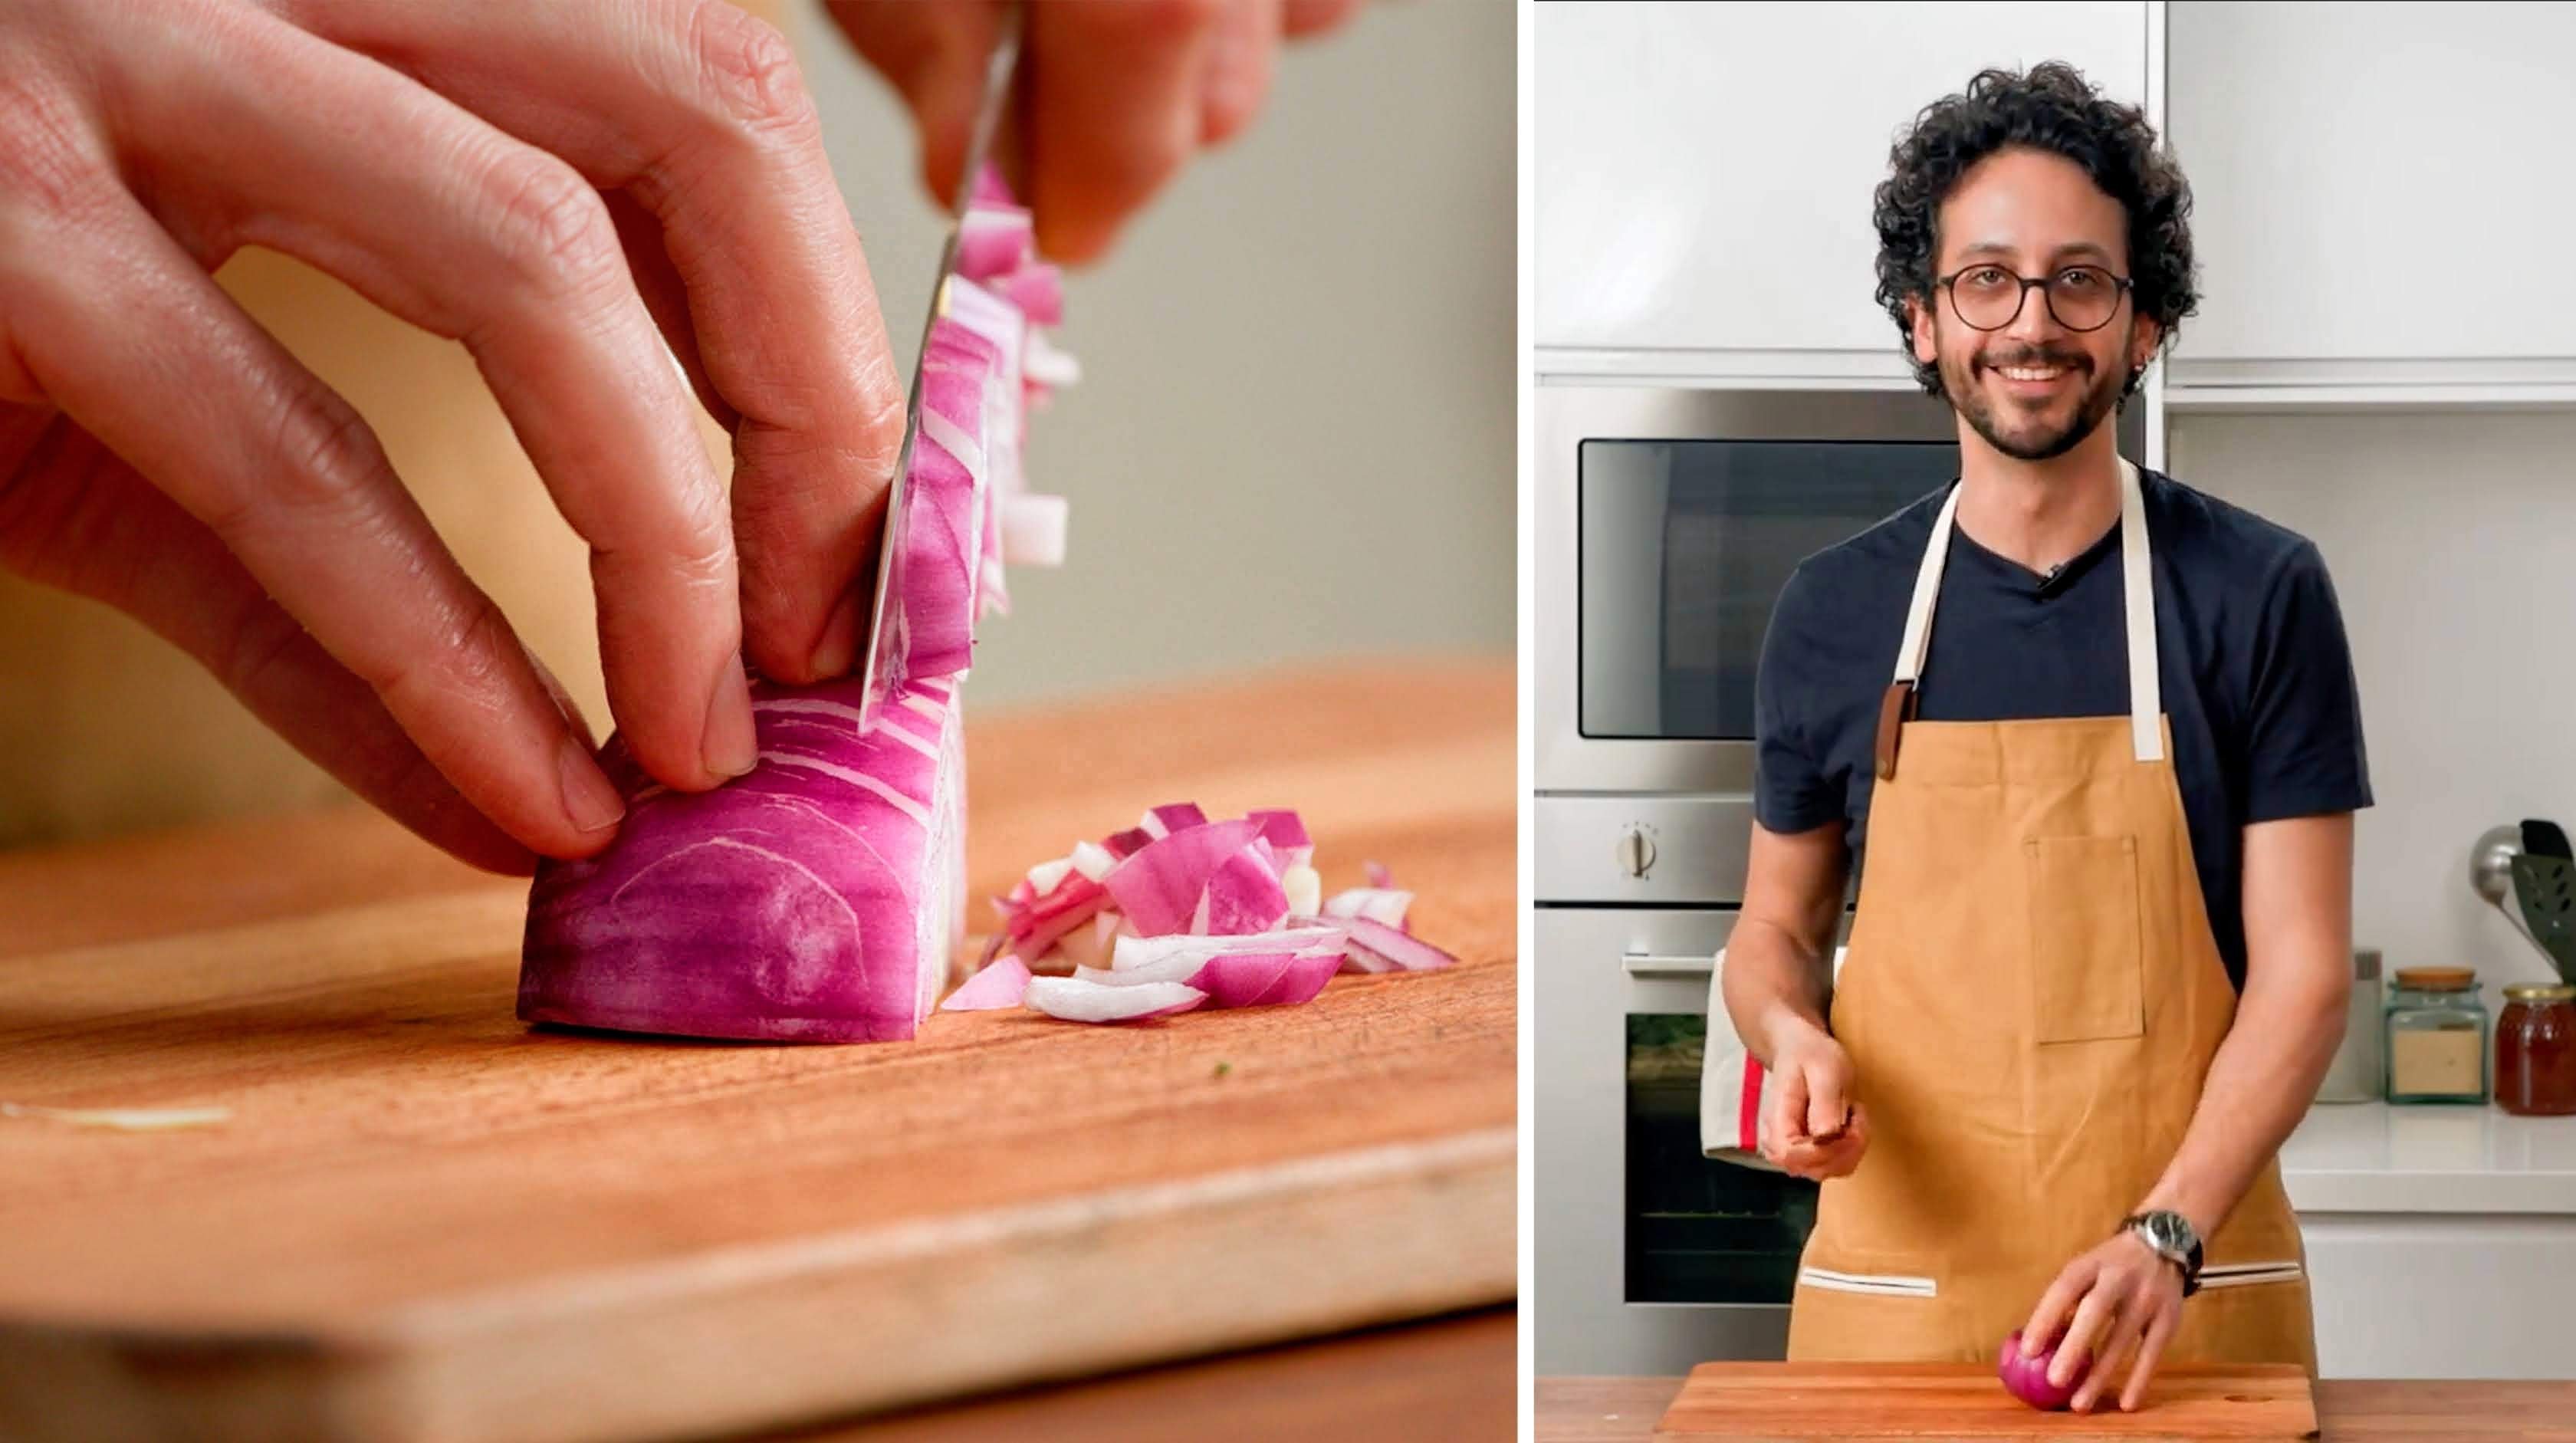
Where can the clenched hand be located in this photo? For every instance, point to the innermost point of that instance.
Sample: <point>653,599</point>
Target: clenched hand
<point>1116,95</point>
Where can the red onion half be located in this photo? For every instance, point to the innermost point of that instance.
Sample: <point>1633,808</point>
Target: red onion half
<point>2027,1378</point>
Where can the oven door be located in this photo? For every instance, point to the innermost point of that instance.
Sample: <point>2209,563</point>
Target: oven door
<point>1666,520</point>
<point>1650,1258</point>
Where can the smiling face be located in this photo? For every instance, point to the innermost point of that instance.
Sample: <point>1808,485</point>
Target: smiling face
<point>2036,388</point>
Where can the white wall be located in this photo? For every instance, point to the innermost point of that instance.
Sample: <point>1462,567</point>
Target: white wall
<point>2448,537</point>
<point>1294,435</point>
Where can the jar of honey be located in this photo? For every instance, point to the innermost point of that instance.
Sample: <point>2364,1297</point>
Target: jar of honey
<point>2535,1067</point>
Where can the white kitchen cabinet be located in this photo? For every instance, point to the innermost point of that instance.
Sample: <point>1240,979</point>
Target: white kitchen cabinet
<point>2428,1295</point>
<point>1704,173</point>
<point>2379,203</point>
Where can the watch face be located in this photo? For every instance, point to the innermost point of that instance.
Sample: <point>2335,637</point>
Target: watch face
<point>2168,1232</point>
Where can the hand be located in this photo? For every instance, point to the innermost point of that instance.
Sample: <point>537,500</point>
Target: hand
<point>564,188</point>
<point>2125,1296</point>
<point>1114,94</point>
<point>1810,1129</point>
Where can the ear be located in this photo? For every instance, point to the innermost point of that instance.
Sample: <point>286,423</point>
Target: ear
<point>1918,319</point>
<point>2144,336</point>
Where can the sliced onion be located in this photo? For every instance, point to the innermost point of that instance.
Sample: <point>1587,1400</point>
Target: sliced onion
<point>999,985</point>
<point>1092,860</point>
<point>1376,904</point>
<point>1159,888</point>
<point>1379,877</point>
<point>1237,978</point>
<point>1037,289</point>
<point>1123,845</point>
<point>993,239</point>
<point>1048,366</point>
<point>1076,1000</point>
<point>1135,952</point>
<point>1032,530</point>
<point>1243,895</point>
<point>1160,822</point>
<point>1044,877</point>
<point>1305,889</point>
<point>1301,981</point>
<point>1402,952</point>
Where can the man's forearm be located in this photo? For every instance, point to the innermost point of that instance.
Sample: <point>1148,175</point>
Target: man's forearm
<point>2259,1085</point>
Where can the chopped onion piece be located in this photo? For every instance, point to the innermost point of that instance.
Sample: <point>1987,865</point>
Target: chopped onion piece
<point>1076,1000</point>
<point>1376,904</point>
<point>1243,895</point>
<point>1092,860</point>
<point>1301,981</point>
<point>1033,530</point>
<point>1236,978</point>
<point>1000,985</point>
<point>1159,888</point>
<point>1133,952</point>
<point>1044,877</point>
<point>1402,952</point>
<point>1379,877</point>
<point>1305,889</point>
<point>1048,366</point>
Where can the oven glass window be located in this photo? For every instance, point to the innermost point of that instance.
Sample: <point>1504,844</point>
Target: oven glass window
<point>1684,546</point>
<point>1699,1231</point>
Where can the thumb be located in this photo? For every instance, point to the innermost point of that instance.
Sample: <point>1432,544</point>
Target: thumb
<point>1828,1105</point>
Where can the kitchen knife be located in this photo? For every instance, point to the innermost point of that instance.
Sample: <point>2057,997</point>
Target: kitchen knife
<point>878,677</point>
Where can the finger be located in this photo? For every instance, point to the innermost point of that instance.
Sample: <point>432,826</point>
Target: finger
<point>1789,1105</point>
<point>666,296</point>
<point>2050,1312</point>
<point>1242,55</point>
<point>460,229</point>
<point>2118,1341</point>
<point>697,110</point>
<point>1827,1108</point>
<point>136,344</point>
<point>934,56</point>
<point>2151,1351</point>
<point>2095,1317</point>
<point>1314,17</point>
<point>79,519</point>
<point>1113,112</point>
<point>1843,1155</point>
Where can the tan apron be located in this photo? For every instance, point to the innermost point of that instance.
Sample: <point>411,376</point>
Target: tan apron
<point>2031,1000</point>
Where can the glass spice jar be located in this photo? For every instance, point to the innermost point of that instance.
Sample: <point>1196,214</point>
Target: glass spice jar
<point>2535,1069</point>
<point>2437,1037</point>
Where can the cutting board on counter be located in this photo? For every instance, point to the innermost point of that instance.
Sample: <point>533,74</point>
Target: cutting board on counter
<point>1768,1401</point>
<point>425,1220</point>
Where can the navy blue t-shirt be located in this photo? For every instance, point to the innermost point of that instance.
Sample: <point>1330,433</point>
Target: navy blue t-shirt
<point>2256,671</point>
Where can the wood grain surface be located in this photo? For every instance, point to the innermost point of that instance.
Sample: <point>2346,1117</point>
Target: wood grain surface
<point>1741,1402</point>
<point>425,1220</point>
<point>1626,1410</point>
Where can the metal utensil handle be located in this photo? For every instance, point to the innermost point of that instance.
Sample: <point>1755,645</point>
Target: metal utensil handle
<point>1653,964</point>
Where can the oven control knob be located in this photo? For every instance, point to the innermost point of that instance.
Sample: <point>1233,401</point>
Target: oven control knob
<point>1636,852</point>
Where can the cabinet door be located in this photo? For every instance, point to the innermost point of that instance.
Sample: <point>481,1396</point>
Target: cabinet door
<point>2375,185</point>
<point>2434,1295</point>
<point>1704,173</point>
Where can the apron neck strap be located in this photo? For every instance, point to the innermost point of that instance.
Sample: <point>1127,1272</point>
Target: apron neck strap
<point>2146,701</point>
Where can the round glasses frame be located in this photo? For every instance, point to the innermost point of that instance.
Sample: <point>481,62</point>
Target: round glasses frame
<point>2120,285</point>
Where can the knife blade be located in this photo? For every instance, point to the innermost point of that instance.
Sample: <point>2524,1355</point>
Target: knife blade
<point>878,677</point>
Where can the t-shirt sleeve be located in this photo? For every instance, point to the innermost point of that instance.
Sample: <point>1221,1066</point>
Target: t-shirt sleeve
<point>2304,744</point>
<point>1792,791</point>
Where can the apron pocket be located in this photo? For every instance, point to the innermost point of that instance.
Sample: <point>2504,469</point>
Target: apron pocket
<point>1892,1285</point>
<point>2085,942</point>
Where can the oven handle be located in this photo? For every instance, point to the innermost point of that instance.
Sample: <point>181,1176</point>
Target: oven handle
<point>1658,964</point>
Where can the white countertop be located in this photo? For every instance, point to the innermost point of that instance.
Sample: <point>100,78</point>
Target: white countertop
<point>2371,1157</point>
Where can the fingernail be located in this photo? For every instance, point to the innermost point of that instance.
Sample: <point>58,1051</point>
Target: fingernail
<point>838,651</point>
<point>731,746</point>
<point>588,798</point>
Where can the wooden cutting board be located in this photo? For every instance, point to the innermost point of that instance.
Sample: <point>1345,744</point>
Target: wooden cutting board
<point>1765,1401</point>
<point>424,1220</point>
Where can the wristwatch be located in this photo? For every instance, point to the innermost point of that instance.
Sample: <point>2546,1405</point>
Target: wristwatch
<point>2171,1235</point>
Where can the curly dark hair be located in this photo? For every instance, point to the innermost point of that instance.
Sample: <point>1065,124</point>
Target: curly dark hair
<point>2052,108</point>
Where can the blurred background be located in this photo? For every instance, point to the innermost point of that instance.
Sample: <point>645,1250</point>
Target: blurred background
<point>1293,437</point>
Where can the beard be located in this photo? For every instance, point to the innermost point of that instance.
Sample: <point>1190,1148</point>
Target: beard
<point>2019,428</point>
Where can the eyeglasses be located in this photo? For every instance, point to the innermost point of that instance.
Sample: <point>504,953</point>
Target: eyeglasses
<point>1989,297</point>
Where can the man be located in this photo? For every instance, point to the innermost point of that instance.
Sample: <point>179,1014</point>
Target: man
<point>2099,959</point>
<point>577,192</point>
